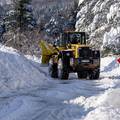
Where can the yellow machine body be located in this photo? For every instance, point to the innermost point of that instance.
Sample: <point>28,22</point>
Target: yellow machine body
<point>73,54</point>
<point>47,50</point>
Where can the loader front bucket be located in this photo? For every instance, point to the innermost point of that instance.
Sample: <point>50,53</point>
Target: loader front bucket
<point>46,51</point>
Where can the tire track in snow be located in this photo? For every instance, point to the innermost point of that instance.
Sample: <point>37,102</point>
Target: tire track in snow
<point>53,106</point>
<point>48,104</point>
<point>60,111</point>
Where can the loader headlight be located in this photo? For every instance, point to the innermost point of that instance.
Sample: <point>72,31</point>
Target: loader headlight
<point>68,54</point>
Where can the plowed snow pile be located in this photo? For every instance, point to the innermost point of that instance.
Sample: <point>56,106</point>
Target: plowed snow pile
<point>17,72</point>
<point>27,93</point>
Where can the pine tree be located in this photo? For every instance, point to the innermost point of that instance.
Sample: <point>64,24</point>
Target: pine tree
<point>20,16</point>
<point>24,17</point>
<point>2,25</point>
<point>19,22</point>
<point>10,20</point>
<point>72,17</point>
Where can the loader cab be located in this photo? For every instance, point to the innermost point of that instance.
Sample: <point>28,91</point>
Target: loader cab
<point>72,38</point>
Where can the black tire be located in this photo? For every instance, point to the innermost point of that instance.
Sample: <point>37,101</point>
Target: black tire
<point>97,74</point>
<point>53,71</point>
<point>91,75</point>
<point>63,72</point>
<point>94,74</point>
<point>82,75</point>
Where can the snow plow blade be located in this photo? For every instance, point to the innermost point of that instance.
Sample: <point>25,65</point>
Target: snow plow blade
<point>47,50</point>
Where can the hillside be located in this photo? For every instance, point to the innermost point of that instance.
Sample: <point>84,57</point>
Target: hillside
<point>51,17</point>
<point>101,19</point>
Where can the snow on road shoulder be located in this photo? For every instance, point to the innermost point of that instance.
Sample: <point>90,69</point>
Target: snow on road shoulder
<point>108,109</point>
<point>17,72</point>
<point>106,105</point>
<point>110,67</point>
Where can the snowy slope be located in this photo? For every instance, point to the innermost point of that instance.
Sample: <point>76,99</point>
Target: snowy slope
<point>27,93</point>
<point>17,72</point>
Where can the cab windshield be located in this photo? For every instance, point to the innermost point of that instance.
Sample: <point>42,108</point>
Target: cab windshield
<point>72,38</point>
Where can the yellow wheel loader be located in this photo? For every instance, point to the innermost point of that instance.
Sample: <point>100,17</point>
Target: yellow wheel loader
<point>71,54</point>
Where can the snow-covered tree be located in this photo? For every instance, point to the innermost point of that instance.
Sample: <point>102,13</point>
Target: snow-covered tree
<point>10,20</point>
<point>24,16</point>
<point>101,19</point>
<point>2,12</point>
<point>2,25</point>
<point>61,19</point>
<point>19,22</point>
<point>20,15</point>
<point>53,17</point>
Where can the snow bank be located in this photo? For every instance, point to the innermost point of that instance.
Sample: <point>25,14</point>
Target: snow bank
<point>108,109</point>
<point>110,67</point>
<point>17,72</point>
<point>103,113</point>
<point>106,105</point>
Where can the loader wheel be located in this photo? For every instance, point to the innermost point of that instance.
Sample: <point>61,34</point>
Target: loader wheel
<point>97,74</point>
<point>62,70</point>
<point>82,75</point>
<point>53,71</point>
<point>91,75</point>
<point>94,74</point>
